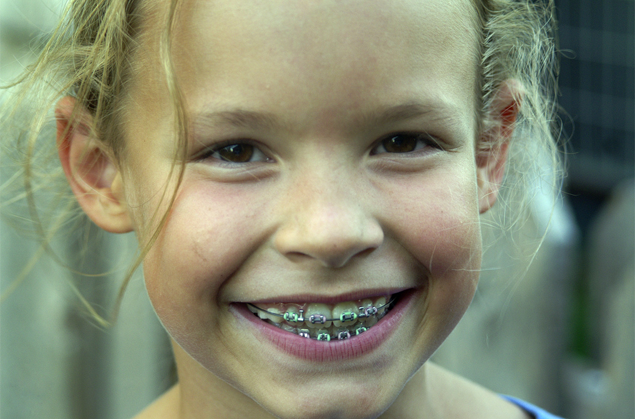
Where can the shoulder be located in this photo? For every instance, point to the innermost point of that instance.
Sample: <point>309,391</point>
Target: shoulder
<point>464,399</point>
<point>165,406</point>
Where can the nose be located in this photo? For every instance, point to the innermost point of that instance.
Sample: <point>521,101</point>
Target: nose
<point>327,221</point>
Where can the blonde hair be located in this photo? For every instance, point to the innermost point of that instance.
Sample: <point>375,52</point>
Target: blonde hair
<point>91,57</point>
<point>519,43</point>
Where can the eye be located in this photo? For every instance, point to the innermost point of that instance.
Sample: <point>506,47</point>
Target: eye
<point>234,153</point>
<point>404,143</point>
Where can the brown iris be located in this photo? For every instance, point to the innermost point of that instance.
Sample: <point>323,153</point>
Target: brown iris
<point>400,143</point>
<point>236,153</point>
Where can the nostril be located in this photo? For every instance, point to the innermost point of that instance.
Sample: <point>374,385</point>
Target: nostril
<point>365,253</point>
<point>336,258</point>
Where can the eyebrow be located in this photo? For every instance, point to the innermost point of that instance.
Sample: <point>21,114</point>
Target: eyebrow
<point>258,121</point>
<point>409,110</point>
<point>238,118</point>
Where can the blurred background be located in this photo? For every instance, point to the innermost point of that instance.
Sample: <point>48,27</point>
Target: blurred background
<point>560,335</point>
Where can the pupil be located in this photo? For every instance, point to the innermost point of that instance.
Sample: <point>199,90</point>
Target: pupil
<point>237,153</point>
<point>400,144</point>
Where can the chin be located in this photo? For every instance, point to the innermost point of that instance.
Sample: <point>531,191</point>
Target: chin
<point>352,406</point>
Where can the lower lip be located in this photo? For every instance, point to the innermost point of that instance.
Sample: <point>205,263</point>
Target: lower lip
<point>314,350</point>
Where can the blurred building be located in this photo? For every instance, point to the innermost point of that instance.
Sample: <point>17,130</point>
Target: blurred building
<point>597,84</point>
<point>596,81</point>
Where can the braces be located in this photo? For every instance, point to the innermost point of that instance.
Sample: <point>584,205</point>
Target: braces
<point>364,312</point>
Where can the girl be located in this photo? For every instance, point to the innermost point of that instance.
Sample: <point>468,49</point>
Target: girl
<point>306,181</point>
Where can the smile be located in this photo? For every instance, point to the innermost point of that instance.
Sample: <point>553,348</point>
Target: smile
<point>325,322</point>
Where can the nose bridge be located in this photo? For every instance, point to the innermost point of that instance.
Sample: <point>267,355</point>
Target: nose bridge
<point>326,218</point>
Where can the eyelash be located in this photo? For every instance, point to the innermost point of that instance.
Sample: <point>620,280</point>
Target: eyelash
<point>209,152</point>
<point>421,141</point>
<point>419,138</point>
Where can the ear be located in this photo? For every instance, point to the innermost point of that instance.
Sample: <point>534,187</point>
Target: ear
<point>491,151</point>
<point>90,168</point>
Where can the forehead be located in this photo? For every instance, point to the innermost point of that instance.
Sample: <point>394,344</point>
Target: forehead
<point>313,55</point>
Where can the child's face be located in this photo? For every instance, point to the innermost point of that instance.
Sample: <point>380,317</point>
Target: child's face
<point>339,200</point>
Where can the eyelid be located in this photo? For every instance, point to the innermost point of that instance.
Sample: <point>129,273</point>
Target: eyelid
<point>207,151</point>
<point>425,137</point>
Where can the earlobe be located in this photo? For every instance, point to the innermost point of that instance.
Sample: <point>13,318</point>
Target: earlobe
<point>90,169</point>
<point>492,150</point>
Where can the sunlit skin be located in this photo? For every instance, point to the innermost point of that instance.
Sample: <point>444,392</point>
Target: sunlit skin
<point>325,206</point>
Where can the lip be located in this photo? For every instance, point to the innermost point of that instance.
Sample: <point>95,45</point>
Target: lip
<point>316,351</point>
<point>312,298</point>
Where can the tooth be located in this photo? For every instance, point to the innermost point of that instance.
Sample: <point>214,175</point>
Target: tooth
<point>316,314</point>
<point>291,315</point>
<point>345,311</point>
<point>353,318</point>
<point>367,303</point>
<point>323,334</point>
<point>288,328</point>
<point>360,330</point>
<point>342,333</point>
<point>275,319</point>
<point>380,302</point>
<point>367,308</point>
<point>370,321</point>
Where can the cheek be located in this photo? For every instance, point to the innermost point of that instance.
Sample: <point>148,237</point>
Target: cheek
<point>207,237</point>
<point>437,221</point>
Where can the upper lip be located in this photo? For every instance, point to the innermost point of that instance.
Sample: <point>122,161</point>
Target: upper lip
<point>330,299</point>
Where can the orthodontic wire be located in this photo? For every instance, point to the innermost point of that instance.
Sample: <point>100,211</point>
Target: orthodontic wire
<point>361,315</point>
